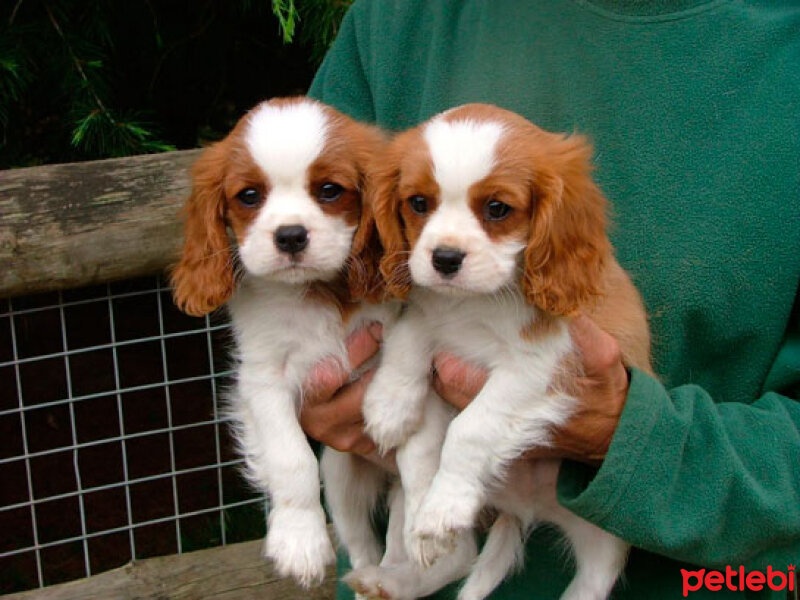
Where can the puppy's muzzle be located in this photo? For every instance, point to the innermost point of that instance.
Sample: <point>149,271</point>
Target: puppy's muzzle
<point>447,261</point>
<point>291,238</point>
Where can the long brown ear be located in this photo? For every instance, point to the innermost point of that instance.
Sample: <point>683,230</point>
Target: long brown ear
<point>568,247</point>
<point>363,274</point>
<point>385,203</point>
<point>364,280</point>
<point>203,278</point>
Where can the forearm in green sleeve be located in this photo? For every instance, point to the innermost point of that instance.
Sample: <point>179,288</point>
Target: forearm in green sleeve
<point>711,484</point>
<point>341,80</point>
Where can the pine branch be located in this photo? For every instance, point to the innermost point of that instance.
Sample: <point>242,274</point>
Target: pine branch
<point>75,61</point>
<point>14,12</point>
<point>99,130</point>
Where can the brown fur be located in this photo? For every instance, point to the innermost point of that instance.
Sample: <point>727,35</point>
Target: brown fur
<point>540,327</point>
<point>512,192</point>
<point>567,244</point>
<point>333,293</point>
<point>396,223</point>
<point>204,278</point>
<point>620,312</point>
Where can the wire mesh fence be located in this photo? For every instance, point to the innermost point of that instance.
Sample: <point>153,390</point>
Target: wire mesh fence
<point>113,445</point>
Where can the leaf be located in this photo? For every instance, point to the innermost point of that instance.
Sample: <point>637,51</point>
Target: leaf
<point>287,15</point>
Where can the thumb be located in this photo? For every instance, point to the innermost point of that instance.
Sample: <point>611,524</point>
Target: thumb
<point>324,379</point>
<point>363,344</point>
<point>599,349</point>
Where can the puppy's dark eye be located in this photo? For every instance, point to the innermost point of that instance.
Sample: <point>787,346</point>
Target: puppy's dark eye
<point>329,192</point>
<point>419,204</point>
<point>249,197</point>
<point>494,210</point>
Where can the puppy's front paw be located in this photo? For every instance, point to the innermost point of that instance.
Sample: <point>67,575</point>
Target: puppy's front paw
<point>393,408</point>
<point>298,544</point>
<point>377,583</point>
<point>441,519</point>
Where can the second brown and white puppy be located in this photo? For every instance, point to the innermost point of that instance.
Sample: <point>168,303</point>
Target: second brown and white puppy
<point>495,232</point>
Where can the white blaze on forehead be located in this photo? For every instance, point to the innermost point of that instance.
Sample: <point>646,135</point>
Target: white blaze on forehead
<point>285,139</point>
<point>462,151</point>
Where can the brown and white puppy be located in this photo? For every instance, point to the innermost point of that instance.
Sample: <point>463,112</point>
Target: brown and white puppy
<point>495,233</point>
<point>288,183</point>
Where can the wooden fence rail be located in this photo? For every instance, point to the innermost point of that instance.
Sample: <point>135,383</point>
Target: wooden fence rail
<point>77,224</point>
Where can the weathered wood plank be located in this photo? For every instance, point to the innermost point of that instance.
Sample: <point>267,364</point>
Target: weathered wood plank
<point>77,224</point>
<point>236,572</point>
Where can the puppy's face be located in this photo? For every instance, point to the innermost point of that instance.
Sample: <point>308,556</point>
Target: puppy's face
<point>466,226</point>
<point>478,199</point>
<point>293,191</point>
<point>288,183</point>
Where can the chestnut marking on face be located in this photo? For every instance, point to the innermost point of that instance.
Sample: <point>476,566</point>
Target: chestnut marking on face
<point>511,219</point>
<point>333,182</point>
<point>245,187</point>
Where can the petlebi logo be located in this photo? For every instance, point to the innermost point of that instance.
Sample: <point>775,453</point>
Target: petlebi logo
<point>736,580</point>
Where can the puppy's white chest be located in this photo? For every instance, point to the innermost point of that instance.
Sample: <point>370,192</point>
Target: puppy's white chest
<point>489,331</point>
<point>282,332</point>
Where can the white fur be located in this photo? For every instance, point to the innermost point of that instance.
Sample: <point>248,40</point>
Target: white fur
<point>479,315</point>
<point>462,152</point>
<point>285,139</point>
<point>281,333</point>
<point>280,336</point>
<point>399,576</point>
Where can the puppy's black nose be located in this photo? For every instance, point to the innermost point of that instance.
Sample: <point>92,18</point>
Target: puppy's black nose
<point>447,260</point>
<point>291,238</point>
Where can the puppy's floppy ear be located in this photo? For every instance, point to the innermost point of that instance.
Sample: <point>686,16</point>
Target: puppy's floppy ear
<point>363,274</point>
<point>567,247</point>
<point>385,201</point>
<point>203,278</point>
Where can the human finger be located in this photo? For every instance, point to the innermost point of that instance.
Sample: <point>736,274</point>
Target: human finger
<point>363,344</point>
<point>457,381</point>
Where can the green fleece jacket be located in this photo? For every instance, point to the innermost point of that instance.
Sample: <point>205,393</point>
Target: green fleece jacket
<point>694,112</point>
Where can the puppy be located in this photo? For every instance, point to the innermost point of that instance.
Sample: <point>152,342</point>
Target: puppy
<point>298,277</point>
<point>495,233</point>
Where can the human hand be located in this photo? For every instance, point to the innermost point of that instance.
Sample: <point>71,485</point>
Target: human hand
<point>331,409</point>
<point>602,390</point>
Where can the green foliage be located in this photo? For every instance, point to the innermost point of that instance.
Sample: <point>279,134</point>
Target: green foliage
<point>318,22</point>
<point>103,133</point>
<point>61,47</point>
<point>286,12</point>
<point>14,74</point>
<point>83,80</point>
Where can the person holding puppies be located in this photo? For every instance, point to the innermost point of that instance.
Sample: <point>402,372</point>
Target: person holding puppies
<point>692,107</point>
